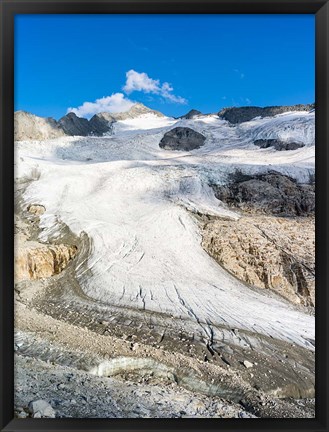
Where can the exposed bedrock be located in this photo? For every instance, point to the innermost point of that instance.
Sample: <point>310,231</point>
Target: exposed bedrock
<point>182,138</point>
<point>37,261</point>
<point>278,144</point>
<point>267,252</point>
<point>101,124</point>
<point>271,193</point>
<point>74,125</point>
<point>242,114</point>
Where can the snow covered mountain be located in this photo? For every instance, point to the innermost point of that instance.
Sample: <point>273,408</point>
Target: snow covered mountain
<point>29,126</point>
<point>135,111</point>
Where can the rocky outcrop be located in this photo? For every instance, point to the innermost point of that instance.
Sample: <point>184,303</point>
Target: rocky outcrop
<point>135,111</point>
<point>98,125</point>
<point>271,193</point>
<point>267,252</point>
<point>36,261</point>
<point>278,144</point>
<point>182,138</point>
<point>101,124</point>
<point>31,127</point>
<point>242,114</point>
<point>74,125</point>
<point>191,114</point>
<point>36,209</point>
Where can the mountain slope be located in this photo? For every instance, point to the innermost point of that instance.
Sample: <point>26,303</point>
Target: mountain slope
<point>29,126</point>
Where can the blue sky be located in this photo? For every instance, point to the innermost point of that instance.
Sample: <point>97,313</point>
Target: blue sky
<point>171,63</point>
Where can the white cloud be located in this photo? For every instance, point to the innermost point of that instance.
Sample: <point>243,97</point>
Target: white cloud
<point>140,81</point>
<point>117,102</point>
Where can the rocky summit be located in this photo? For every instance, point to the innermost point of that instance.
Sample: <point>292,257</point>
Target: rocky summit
<point>182,138</point>
<point>74,125</point>
<point>191,114</point>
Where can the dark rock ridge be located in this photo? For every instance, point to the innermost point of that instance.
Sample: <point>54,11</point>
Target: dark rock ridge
<point>74,125</point>
<point>277,144</point>
<point>191,114</point>
<point>271,193</point>
<point>101,123</point>
<point>242,114</point>
<point>182,138</point>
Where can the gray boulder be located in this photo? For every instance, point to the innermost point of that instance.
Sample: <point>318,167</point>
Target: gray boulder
<point>242,114</point>
<point>278,144</point>
<point>182,138</point>
<point>41,408</point>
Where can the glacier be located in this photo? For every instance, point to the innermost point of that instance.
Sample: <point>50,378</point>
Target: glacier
<point>135,202</point>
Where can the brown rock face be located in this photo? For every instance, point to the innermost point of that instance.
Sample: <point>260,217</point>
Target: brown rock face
<point>42,261</point>
<point>36,209</point>
<point>267,252</point>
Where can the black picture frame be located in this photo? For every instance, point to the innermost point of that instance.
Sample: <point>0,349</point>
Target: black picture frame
<point>8,9</point>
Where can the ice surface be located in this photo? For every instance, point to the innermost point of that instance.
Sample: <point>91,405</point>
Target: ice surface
<point>131,197</point>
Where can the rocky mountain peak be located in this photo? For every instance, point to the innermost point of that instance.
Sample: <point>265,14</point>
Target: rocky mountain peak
<point>191,114</point>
